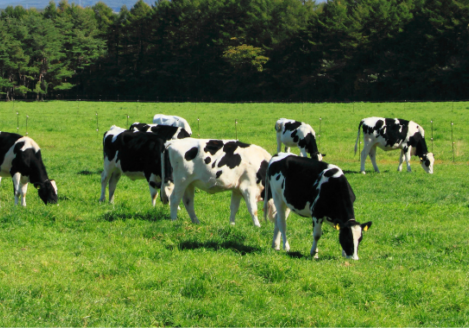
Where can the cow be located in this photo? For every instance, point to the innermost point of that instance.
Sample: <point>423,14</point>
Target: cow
<point>390,134</point>
<point>297,134</point>
<point>166,132</point>
<point>134,154</point>
<point>214,166</point>
<point>172,120</point>
<point>21,159</point>
<point>313,189</point>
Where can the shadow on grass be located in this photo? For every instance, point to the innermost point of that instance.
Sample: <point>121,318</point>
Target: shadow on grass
<point>148,216</point>
<point>298,255</point>
<point>86,172</point>
<point>216,245</point>
<point>358,172</point>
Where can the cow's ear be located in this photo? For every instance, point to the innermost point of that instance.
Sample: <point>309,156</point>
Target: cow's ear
<point>37,186</point>
<point>366,226</point>
<point>323,155</point>
<point>337,226</point>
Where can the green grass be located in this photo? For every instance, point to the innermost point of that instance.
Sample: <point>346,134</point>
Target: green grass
<point>83,263</point>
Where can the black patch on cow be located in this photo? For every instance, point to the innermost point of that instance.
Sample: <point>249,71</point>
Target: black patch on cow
<point>418,142</point>
<point>183,134</point>
<point>191,153</point>
<point>142,127</point>
<point>214,163</point>
<point>217,175</point>
<point>294,135</point>
<point>207,160</point>
<point>260,174</point>
<point>290,126</point>
<point>213,146</point>
<point>165,132</point>
<point>278,177</point>
<point>331,172</point>
<point>231,159</point>
<point>309,143</point>
<point>7,140</point>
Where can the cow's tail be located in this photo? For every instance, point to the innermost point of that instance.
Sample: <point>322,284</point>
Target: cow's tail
<point>358,136</point>
<point>164,161</point>
<point>266,194</point>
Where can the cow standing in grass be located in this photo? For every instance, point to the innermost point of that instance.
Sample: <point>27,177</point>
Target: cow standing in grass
<point>313,189</point>
<point>214,166</point>
<point>297,134</point>
<point>21,159</point>
<point>391,134</point>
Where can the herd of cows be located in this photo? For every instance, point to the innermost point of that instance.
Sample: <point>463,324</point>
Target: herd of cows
<point>170,160</point>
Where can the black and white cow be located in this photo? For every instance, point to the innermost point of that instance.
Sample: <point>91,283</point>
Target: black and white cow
<point>21,159</point>
<point>297,134</point>
<point>313,189</point>
<point>134,154</point>
<point>390,134</point>
<point>214,166</point>
<point>172,120</point>
<point>166,132</point>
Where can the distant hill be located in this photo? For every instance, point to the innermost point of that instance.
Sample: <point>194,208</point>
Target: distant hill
<point>41,4</point>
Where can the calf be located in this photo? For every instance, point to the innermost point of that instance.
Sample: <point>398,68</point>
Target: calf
<point>313,189</point>
<point>297,134</point>
<point>214,166</point>
<point>134,154</point>
<point>172,120</point>
<point>164,131</point>
<point>21,159</point>
<point>390,134</point>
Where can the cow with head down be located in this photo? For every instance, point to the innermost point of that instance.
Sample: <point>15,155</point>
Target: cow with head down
<point>391,134</point>
<point>21,159</point>
<point>313,189</point>
<point>297,134</point>
<point>214,166</point>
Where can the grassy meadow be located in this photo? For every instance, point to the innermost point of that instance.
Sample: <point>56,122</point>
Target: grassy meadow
<point>83,263</point>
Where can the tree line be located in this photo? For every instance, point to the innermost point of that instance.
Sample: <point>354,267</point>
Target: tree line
<point>238,50</point>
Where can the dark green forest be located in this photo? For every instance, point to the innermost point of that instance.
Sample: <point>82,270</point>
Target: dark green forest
<point>238,50</point>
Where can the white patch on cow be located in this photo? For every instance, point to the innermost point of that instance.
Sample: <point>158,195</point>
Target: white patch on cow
<point>28,144</point>
<point>356,233</point>
<point>114,131</point>
<point>172,120</point>
<point>54,185</point>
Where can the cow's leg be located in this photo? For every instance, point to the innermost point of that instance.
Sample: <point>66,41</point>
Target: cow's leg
<point>287,149</point>
<point>0,181</point>
<point>251,202</point>
<point>373,158</point>
<point>16,186</point>
<point>104,181</point>
<point>234,206</point>
<point>112,185</point>
<point>154,183</point>
<point>23,191</point>
<point>407,159</point>
<point>317,232</point>
<point>401,160</point>
<point>188,200</point>
<point>279,143</point>
<point>364,154</point>
<point>175,199</point>
<point>303,152</point>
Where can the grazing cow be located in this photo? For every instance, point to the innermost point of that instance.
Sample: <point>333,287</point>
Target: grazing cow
<point>214,166</point>
<point>164,131</point>
<point>172,120</point>
<point>134,154</point>
<point>390,134</point>
<point>313,189</point>
<point>297,134</point>
<point>21,159</point>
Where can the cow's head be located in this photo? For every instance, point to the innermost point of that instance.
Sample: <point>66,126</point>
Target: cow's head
<point>47,191</point>
<point>427,161</point>
<point>350,236</point>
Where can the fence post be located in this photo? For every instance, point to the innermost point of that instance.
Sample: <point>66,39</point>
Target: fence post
<point>236,128</point>
<point>452,140</point>
<point>97,125</point>
<point>198,128</point>
<point>431,139</point>
<point>319,134</point>
<point>127,119</point>
<point>17,122</point>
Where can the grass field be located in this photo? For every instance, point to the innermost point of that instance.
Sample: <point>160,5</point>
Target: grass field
<point>83,263</point>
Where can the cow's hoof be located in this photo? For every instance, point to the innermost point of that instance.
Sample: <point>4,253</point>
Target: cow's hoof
<point>232,223</point>
<point>362,172</point>
<point>287,247</point>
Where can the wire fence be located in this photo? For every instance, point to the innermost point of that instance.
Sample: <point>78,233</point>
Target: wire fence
<point>13,113</point>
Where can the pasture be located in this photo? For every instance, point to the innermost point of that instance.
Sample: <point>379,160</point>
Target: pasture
<point>85,263</point>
